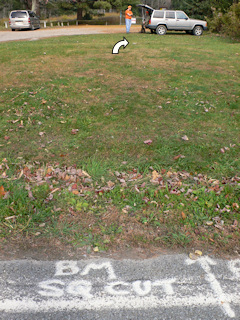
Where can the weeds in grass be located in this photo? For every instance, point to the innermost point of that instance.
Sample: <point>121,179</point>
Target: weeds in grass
<point>178,238</point>
<point>87,211</point>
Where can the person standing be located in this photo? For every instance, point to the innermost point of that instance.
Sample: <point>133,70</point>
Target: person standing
<point>128,17</point>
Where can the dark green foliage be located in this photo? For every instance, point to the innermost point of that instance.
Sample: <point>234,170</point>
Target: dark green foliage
<point>223,5</point>
<point>226,23</point>
<point>201,8</point>
<point>195,9</point>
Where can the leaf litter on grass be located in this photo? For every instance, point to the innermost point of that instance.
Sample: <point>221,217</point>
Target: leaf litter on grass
<point>157,207</point>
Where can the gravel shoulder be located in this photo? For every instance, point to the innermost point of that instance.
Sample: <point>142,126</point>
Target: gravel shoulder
<point>8,35</point>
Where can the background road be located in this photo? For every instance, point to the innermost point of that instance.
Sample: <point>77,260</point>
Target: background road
<point>9,35</point>
<point>167,287</point>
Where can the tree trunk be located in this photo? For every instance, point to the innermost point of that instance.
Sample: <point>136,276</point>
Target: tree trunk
<point>79,10</point>
<point>79,14</point>
<point>28,4</point>
<point>35,7</point>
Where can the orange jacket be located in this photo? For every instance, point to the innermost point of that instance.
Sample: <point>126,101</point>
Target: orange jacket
<point>128,14</point>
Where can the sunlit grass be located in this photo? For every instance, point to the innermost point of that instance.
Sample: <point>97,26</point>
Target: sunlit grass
<point>70,101</point>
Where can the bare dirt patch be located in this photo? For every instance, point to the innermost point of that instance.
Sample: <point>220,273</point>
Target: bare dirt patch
<point>55,250</point>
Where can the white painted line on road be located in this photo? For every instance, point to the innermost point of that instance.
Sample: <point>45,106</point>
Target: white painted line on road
<point>234,266</point>
<point>205,263</point>
<point>76,285</point>
<point>112,303</point>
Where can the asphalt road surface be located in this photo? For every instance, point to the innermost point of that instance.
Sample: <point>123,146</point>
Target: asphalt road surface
<point>9,35</point>
<point>167,287</point>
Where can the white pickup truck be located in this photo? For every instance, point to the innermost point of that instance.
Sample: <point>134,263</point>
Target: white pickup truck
<point>160,21</point>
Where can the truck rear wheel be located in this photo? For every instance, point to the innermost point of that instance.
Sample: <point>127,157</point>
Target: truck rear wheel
<point>161,30</point>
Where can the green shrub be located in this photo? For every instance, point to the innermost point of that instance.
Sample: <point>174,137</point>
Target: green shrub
<point>232,22</point>
<point>228,23</point>
<point>217,21</point>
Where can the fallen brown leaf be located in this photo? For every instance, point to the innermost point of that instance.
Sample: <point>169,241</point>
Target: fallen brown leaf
<point>2,192</point>
<point>74,191</point>
<point>198,252</point>
<point>183,215</point>
<point>235,205</point>
<point>148,141</point>
<point>155,175</point>
<point>74,131</point>
<point>110,184</point>
<point>193,256</point>
<point>179,156</point>
<point>30,195</point>
<point>185,138</point>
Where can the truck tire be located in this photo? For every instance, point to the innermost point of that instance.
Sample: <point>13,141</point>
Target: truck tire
<point>161,30</point>
<point>197,31</point>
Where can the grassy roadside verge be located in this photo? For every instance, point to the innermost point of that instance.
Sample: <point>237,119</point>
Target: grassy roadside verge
<point>135,149</point>
<point>129,208</point>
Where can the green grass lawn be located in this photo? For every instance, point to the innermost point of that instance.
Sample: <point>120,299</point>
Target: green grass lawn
<point>68,104</point>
